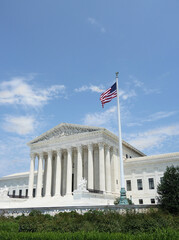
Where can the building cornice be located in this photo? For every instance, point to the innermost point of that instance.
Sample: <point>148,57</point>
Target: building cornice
<point>17,175</point>
<point>161,158</point>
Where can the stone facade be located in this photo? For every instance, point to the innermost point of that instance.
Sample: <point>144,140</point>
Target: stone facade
<point>69,152</point>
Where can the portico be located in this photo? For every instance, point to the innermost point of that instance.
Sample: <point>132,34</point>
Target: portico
<point>60,170</point>
<point>69,152</point>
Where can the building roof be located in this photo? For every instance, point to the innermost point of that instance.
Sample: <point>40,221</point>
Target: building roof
<point>68,129</point>
<point>154,158</point>
<point>16,175</point>
<point>63,129</point>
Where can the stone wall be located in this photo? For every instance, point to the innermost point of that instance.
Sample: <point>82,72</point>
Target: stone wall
<point>79,209</point>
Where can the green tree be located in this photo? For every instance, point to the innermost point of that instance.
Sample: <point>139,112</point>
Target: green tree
<point>168,190</point>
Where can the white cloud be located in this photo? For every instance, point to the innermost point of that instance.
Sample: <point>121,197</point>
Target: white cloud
<point>94,22</point>
<point>21,125</point>
<point>153,138</point>
<point>101,119</point>
<point>93,88</point>
<point>126,95</point>
<point>159,115</point>
<point>14,155</point>
<point>19,91</point>
<point>137,83</point>
<point>151,118</point>
<point>140,84</point>
<point>103,30</point>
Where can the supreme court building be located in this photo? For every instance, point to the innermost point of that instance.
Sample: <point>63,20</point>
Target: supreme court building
<point>68,153</point>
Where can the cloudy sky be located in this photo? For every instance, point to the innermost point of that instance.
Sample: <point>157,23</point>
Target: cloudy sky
<point>57,57</point>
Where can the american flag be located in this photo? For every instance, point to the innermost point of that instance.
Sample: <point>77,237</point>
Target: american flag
<point>108,95</point>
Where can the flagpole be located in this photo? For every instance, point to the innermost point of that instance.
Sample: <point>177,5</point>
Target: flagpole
<point>123,199</point>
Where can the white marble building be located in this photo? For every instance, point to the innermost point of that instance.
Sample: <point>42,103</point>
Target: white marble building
<point>68,152</point>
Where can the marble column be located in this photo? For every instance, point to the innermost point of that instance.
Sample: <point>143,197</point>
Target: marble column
<point>45,175</point>
<point>90,167</point>
<point>49,175</point>
<point>31,175</point>
<point>117,171</point>
<point>39,175</point>
<point>69,172</point>
<point>85,164</point>
<point>64,173</point>
<point>101,168</point>
<point>79,164</point>
<point>75,169</point>
<point>108,170</point>
<point>58,173</point>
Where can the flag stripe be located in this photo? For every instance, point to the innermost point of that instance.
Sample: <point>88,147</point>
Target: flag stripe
<point>109,94</point>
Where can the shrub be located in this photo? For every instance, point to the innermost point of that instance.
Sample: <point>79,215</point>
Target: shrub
<point>161,234</point>
<point>35,213</point>
<point>8,226</point>
<point>168,190</point>
<point>98,221</point>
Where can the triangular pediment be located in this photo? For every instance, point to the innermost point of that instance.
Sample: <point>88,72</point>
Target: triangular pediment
<point>64,129</point>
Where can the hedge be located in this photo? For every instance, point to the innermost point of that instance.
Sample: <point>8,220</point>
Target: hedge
<point>97,221</point>
<point>162,234</point>
<point>9,226</point>
<point>92,221</point>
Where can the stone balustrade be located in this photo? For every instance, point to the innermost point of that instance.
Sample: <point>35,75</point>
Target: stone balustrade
<point>14,212</point>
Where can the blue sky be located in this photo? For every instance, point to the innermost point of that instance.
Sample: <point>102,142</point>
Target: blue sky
<point>56,57</point>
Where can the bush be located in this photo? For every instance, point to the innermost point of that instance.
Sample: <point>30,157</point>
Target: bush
<point>7,226</point>
<point>162,234</point>
<point>35,213</point>
<point>168,190</point>
<point>98,221</point>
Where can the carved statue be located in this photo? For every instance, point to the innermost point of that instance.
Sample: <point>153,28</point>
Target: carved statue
<point>4,192</point>
<point>82,185</point>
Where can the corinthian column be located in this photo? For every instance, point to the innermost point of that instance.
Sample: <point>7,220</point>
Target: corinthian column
<point>58,173</point>
<point>69,172</point>
<point>79,165</point>
<point>39,176</point>
<point>114,170</point>
<point>90,167</point>
<point>108,170</point>
<point>101,168</point>
<point>49,175</point>
<point>31,175</point>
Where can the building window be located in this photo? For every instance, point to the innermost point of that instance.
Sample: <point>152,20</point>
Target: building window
<point>152,200</point>
<point>161,179</point>
<point>140,201</point>
<point>26,192</point>
<point>127,156</point>
<point>20,193</point>
<point>151,183</point>
<point>13,193</point>
<point>130,156</point>
<point>116,181</point>
<point>128,184</point>
<point>34,192</point>
<point>139,184</point>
